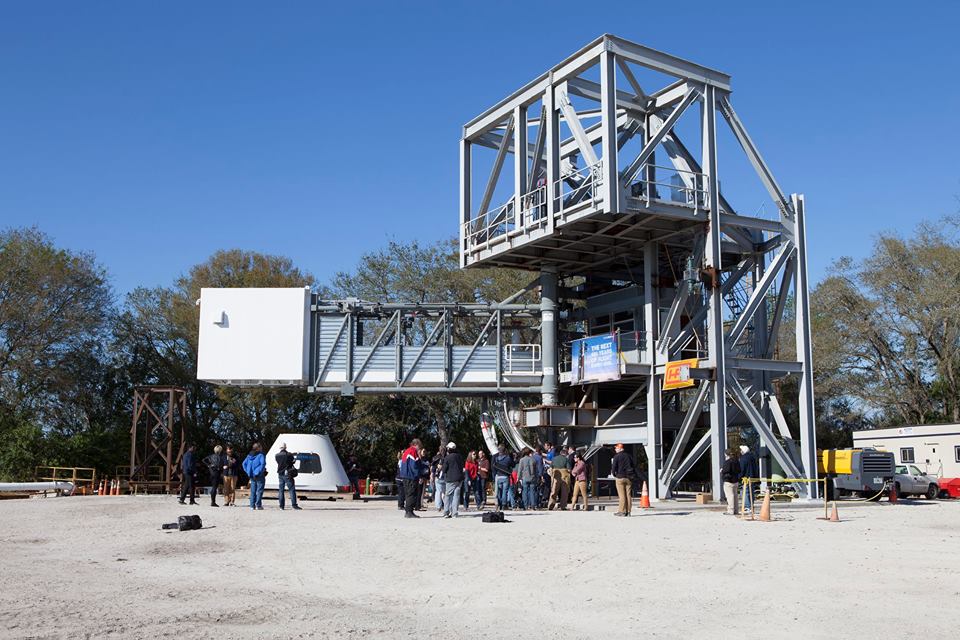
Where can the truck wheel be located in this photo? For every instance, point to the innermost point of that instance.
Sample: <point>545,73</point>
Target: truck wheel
<point>901,494</point>
<point>932,491</point>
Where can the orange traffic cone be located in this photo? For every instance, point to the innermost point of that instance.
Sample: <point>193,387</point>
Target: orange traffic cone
<point>100,487</point>
<point>645,497</point>
<point>834,516</point>
<point>765,508</point>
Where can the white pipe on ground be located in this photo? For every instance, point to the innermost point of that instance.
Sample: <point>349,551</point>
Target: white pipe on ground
<point>65,487</point>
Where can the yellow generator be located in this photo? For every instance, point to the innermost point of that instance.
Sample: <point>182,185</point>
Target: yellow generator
<point>864,472</point>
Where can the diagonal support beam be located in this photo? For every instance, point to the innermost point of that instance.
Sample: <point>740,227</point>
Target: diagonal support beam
<point>632,79</point>
<point>333,348</point>
<point>626,403</point>
<point>440,324</point>
<point>497,168</point>
<point>388,329</point>
<point>627,176</point>
<point>687,332</point>
<point>780,307</point>
<point>702,446</point>
<point>769,276</point>
<point>683,436</point>
<point>573,122</point>
<point>753,154</point>
<point>746,405</point>
<point>539,161</point>
<point>476,345</point>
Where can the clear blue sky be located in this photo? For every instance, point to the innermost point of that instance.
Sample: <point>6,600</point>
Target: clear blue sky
<point>153,133</point>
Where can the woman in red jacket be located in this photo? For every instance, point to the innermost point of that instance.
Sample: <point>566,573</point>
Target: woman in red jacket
<point>483,472</point>
<point>469,478</point>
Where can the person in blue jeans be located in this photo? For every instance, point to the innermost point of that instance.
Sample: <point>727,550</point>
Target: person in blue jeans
<point>502,468</point>
<point>255,466</point>
<point>286,473</point>
<point>529,478</point>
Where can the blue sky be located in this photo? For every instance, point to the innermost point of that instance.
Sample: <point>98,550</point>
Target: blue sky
<point>153,133</point>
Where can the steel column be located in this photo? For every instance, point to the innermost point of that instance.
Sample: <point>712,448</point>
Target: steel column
<point>548,334</point>
<point>808,430</point>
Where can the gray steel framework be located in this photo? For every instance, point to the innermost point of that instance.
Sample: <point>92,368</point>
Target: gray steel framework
<point>582,206</point>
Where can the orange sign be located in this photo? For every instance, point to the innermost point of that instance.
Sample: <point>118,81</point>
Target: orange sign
<point>676,375</point>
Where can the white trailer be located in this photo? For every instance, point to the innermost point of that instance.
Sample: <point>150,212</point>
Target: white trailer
<point>933,448</point>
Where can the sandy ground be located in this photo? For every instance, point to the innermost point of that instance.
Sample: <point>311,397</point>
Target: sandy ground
<point>91,567</point>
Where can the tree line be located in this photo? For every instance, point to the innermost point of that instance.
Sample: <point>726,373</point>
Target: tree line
<point>885,329</point>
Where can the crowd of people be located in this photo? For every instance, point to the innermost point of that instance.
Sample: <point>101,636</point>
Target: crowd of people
<point>223,467</point>
<point>534,478</point>
<point>544,477</point>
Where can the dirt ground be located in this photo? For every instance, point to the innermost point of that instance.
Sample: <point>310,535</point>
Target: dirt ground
<point>90,567</point>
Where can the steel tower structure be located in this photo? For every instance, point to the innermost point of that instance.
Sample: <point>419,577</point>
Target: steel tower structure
<point>629,232</point>
<point>634,245</point>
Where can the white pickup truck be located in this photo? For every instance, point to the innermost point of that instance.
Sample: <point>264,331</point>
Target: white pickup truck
<point>910,480</point>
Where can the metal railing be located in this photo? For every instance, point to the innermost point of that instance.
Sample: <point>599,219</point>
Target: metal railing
<point>579,186</point>
<point>507,219</point>
<point>688,188</point>
<point>522,359</point>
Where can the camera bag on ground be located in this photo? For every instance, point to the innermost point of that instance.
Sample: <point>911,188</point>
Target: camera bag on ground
<point>494,516</point>
<point>185,523</point>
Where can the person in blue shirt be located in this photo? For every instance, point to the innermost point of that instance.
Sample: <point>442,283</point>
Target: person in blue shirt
<point>255,466</point>
<point>188,468</point>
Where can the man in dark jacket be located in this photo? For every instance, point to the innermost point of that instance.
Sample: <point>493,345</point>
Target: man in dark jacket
<point>409,472</point>
<point>285,476</point>
<point>452,470</point>
<point>624,470</point>
<point>353,473</point>
<point>749,468</point>
<point>730,474</point>
<point>188,471</point>
<point>215,462</point>
<point>502,468</point>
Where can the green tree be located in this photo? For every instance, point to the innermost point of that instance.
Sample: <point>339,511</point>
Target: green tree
<point>886,329</point>
<point>55,382</point>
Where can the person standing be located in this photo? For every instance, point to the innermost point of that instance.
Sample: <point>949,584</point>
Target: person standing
<point>231,469</point>
<point>749,468</point>
<point>579,480</point>
<point>730,474</point>
<point>424,466</point>
<point>528,476</point>
<point>255,466</point>
<point>502,467</point>
<point>452,473</point>
<point>286,473</point>
<point>436,480</point>
<point>188,472</point>
<point>353,474</point>
<point>624,471</point>
<point>469,479</point>
<point>410,474</point>
<point>216,462</point>
<point>399,481</point>
<point>559,482</point>
<point>483,473</point>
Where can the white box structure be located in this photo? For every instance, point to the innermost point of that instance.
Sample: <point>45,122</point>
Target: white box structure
<point>254,336</point>
<point>935,448</point>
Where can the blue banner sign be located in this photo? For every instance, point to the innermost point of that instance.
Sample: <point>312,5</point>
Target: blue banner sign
<point>595,359</point>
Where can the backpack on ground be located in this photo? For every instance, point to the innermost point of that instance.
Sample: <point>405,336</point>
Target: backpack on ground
<point>494,516</point>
